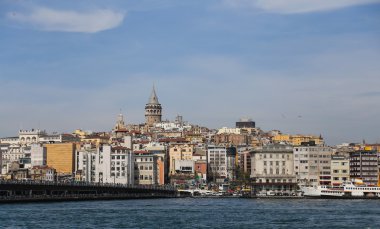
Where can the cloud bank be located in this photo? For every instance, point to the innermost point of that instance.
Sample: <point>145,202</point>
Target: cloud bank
<point>297,6</point>
<point>69,21</point>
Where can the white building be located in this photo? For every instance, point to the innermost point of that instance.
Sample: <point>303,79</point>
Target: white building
<point>184,166</point>
<point>312,165</point>
<point>86,165</point>
<point>272,169</point>
<point>38,155</point>
<point>115,165</point>
<point>217,161</point>
<point>10,140</point>
<point>27,137</point>
<point>225,130</point>
<point>11,153</point>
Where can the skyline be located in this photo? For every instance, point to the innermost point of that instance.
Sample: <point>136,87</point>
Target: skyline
<point>307,69</point>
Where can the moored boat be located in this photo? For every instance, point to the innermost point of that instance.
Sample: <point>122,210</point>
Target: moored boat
<point>349,190</point>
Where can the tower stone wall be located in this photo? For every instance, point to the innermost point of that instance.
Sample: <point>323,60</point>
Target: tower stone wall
<point>153,110</point>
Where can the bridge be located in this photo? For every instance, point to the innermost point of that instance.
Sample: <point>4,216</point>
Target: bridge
<point>39,191</point>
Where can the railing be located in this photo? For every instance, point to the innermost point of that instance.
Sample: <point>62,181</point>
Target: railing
<point>89,184</point>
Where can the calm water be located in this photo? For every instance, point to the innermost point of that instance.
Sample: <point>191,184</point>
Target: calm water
<point>194,213</point>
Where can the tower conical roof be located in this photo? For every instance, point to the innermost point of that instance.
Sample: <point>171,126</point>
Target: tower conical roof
<point>153,97</point>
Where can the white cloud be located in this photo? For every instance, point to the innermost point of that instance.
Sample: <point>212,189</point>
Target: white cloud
<point>297,6</point>
<point>69,21</point>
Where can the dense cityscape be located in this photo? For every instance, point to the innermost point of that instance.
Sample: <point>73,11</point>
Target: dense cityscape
<point>226,161</point>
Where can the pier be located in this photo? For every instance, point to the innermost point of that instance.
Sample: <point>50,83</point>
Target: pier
<point>36,191</point>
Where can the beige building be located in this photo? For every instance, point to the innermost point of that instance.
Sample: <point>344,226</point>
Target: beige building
<point>177,153</point>
<point>312,165</point>
<point>297,140</point>
<point>60,156</point>
<point>146,169</point>
<point>340,170</point>
<point>272,169</point>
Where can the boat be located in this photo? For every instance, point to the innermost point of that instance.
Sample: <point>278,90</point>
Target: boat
<point>349,189</point>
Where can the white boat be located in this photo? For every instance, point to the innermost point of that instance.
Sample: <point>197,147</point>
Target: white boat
<point>347,190</point>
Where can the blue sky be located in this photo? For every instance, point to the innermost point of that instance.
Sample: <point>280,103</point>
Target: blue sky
<point>309,67</point>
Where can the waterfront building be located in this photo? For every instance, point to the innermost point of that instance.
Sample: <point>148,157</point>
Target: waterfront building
<point>38,155</point>
<point>340,169</point>
<point>42,173</point>
<point>86,164</point>
<point>60,156</point>
<point>11,153</point>
<point>146,168</point>
<point>179,152</point>
<point>115,164</point>
<point>217,163</point>
<point>153,110</point>
<point>200,163</point>
<point>3,148</point>
<point>365,165</point>
<point>312,165</point>
<point>231,163</point>
<point>272,169</point>
<point>245,162</point>
<point>159,149</point>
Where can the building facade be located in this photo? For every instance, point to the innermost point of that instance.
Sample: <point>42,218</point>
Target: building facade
<point>217,162</point>
<point>340,169</point>
<point>145,169</point>
<point>86,165</point>
<point>179,152</point>
<point>364,165</point>
<point>38,155</point>
<point>60,156</point>
<point>114,164</point>
<point>312,165</point>
<point>272,169</point>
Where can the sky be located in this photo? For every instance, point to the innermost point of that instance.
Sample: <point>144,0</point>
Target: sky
<point>302,67</point>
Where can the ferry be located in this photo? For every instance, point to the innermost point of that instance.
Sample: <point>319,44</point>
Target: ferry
<point>349,189</point>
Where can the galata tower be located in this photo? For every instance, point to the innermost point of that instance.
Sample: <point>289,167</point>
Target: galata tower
<point>153,109</point>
